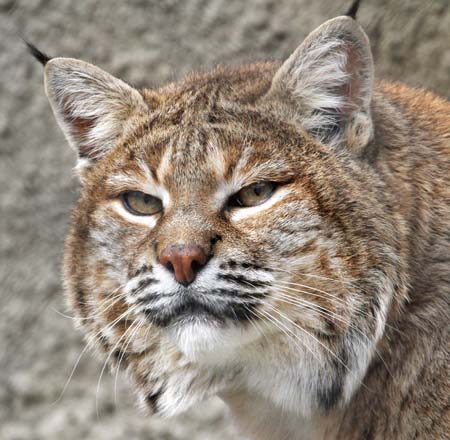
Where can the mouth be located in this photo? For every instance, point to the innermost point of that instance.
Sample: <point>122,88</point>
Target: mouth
<point>206,325</point>
<point>188,307</point>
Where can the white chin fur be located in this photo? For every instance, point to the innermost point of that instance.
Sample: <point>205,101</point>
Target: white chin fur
<point>208,342</point>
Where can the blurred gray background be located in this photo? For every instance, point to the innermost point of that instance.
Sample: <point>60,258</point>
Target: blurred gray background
<point>145,43</point>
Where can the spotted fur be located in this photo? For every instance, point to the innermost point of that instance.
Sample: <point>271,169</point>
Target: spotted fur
<point>323,312</point>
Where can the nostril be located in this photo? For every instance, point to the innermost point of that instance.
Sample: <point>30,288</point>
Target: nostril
<point>196,266</point>
<point>169,267</point>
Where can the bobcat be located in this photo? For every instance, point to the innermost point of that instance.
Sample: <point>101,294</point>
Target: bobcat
<point>276,234</point>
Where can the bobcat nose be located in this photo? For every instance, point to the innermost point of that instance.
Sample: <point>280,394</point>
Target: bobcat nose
<point>184,260</point>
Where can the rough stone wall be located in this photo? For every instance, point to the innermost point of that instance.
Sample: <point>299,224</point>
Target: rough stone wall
<point>146,43</point>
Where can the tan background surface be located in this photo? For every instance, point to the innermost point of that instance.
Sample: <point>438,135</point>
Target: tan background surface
<point>146,43</point>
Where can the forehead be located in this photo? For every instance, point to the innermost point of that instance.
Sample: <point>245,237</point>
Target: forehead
<point>203,154</point>
<point>207,128</point>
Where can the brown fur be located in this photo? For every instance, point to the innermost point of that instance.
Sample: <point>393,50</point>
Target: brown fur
<point>379,211</point>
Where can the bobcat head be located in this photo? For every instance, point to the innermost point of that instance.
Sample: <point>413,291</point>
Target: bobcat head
<point>231,223</point>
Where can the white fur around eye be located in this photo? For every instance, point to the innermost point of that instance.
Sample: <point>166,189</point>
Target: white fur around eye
<point>145,220</point>
<point>242,213</point>
<point>146,185</point>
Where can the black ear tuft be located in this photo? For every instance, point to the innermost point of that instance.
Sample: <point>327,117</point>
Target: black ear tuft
<point>40,56</point>
<point>353,10</point>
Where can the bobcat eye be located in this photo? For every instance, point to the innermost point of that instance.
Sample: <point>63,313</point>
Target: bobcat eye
<point>253,195</point>
<point>139,203</point>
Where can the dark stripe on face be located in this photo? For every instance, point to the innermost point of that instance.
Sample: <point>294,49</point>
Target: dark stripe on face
<point>152,401</point>
<point>141,270</point>
<point>214,293</point>
<point>368,433</point>
<point>120,358</point>
<point>374,305</point>
<point>232,264</point>
<point>80,302</point>
<point>142,285</point>
<point>241,280</point>
<point>239,293</point>
<point>328,397</point>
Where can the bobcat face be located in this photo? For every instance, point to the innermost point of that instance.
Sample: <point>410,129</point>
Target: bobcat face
<point>285,256</point>
<point>231,208</point>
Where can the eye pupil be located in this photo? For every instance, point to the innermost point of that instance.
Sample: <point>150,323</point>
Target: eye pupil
<point>258,189</point>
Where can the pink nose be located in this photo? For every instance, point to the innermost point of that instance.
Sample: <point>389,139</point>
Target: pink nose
<point>185,261</point>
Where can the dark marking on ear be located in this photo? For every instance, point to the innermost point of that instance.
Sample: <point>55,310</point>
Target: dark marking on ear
<point>37,54</point>
<point>353,10</point>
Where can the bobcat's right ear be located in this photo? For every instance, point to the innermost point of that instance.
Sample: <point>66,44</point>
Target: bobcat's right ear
<point>327,84</point>
<point>90,105</point>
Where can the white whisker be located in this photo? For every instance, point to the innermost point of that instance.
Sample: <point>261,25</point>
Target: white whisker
<point>86,347</point>
<point>127,313</point>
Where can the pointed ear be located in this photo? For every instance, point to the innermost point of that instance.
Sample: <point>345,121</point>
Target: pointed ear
<point>328,81</point>
<point>90,105</point>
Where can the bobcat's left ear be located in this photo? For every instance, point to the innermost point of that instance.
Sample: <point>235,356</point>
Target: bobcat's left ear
<point>90,105</point>
<point>328,81</point>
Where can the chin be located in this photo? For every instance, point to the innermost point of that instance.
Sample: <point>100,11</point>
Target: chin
<point>206,340</point>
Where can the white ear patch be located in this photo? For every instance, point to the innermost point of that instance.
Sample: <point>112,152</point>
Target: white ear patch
<point>316,76</point>
<point>329,81</point>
